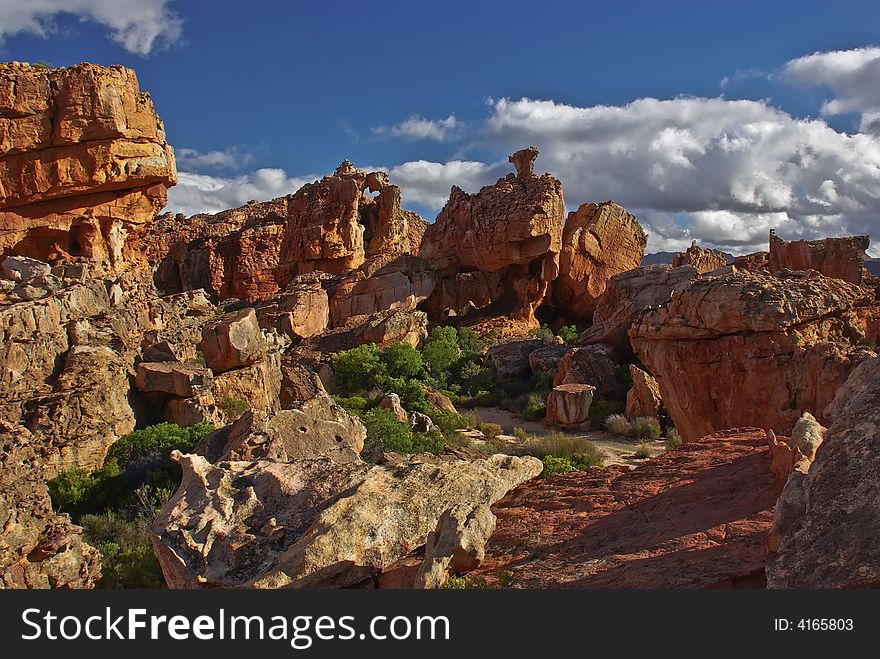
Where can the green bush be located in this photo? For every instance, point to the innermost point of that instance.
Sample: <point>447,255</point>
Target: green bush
<point>359,369</point>
<point>544,333</point>
<point>646,427</point>
<point>441,349</point>
<point>127,557</point>
<point>644,451</point>
<point>386,433</point>
<point>159,440</point>
<point>520,434</point>
<point>491,430</point>
<point>447,422</point>
<point>403,361</point>
<point>75,491</point>
<point>578,449</point>
<point>618,424</point>
<point>466,582</point>
<point>233,407</point>
<point>569,333</point>
<point>673,440</point>
<point>554,465</point>
<point>356,405</point>
<point>602,409</point>
<point>536,406</point>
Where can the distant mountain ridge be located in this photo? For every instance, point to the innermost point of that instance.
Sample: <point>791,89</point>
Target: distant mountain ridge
<point>657,258</point>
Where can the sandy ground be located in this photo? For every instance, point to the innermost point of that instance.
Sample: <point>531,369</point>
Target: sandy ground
<point>616,450</point>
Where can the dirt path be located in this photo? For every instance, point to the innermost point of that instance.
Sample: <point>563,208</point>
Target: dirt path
<point>615,450</point>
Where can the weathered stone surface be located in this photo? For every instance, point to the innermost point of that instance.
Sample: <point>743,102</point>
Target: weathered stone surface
<point>643,399</point>
<point>834,543</point>
<point>200,408</point>
<point>841,258</point>
<point>626,296</point>
<point>546,359</point>
<point>439,400</point>
<point>680,520</point>
<point>458,544</point>
<point>252,252</point>
<point>321,429</point>
<point>182,380</point>
<point>256,387</point>
<point>750,348</point>
<point>421,422</point>
<point>233,341</point>
<point>513,228</point>
<point>511,360</point>
<point>396,325</point>
<point>598,242</point>
<point>592,364</point>
<point>84,164</point>
<point>305,311</point>
<point>313,523</point>
<point>391,402</point>
<point>701,259</point>
<point>38,548</point>
<point>568,405</point>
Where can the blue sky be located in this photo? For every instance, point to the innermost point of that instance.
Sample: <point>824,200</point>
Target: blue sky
<point>703,118</point>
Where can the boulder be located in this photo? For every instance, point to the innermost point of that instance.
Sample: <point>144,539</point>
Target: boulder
<point>182,380</point>
<point>749,347</point>
<point>458,544</point>
<point>200,408</point>
<point>643,398</point>
<point>396,325</point>
<point>313,523</point>
<point>511,360</point>
<point>84,165</point>
<point>421,422</point>
<point>598,242</point>
<point>305,311</point>
<point>233,341</point>
<point>841,258</point>
<point>833,542</point>
<point>593,365</point>
<point>626,296</point>
<point>546,359</point>
<point>256,387</point>
<point>701,259</point>
<point>391,402</point>
<point>568,405</point>
<point>24,270</point>
<point>439,400</point>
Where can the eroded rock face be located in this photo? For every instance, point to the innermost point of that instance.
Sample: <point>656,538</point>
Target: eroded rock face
<point>626,296</point>
<point>252,252</point>
<point>512,228</point>
<point>511,360</point>
<point>841,258</point>
<point>598,242</point>
<point>593,365</point>
<point>233,341</point>
<point>568,406</point>
<point>681,520</point>
<point>643,399</point>
<point>833,543</point>
<point>750,348</point>
<point>701,259</point>
<point>84,165</point>
<point>313,523</point>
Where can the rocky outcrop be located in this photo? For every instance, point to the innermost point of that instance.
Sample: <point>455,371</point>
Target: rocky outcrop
<point>750,348</point>
<point>701,259</point>
<point>183,380</point>
<point>593,365</point>
<point>252,252</point>
<point>643,398</point>
<point>313,523</point>
<point>568,406</point>
<point>458,544</point>
<point>84,164</point>
<point>233,341</point>
<point>546,359</point>
<point>680,520</point>
<point>511,360</point>
<point>512,229</point>
<point>598,242</point>
<point>627,295</point>
<point>841,258</point>
<point>832,543</point>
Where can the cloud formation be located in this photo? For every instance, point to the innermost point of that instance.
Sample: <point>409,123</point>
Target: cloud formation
<point>230,158</point>
<point>420,128</point>
<point>428,183</point>
<point>853,76</point>
<point>202,193</point>
<point>139,26</point>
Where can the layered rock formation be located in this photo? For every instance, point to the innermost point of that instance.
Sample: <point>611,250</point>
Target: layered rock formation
<point>627,295</point>
<point>568,406</point>
<point>84,164</point>
<point>751,348</point>
<point>643,398</point>
<point>696,517</point>
<point>598,242</point>
<point>833,543</point>
<point>701,259</point>
<point>841,258</point>
<point>252,252</point>
<point>511,230</point>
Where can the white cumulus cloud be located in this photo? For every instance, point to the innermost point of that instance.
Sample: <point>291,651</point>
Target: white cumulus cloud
<point>428,183</point>
<point>139,26</point>
<point>420,128</point>
<point>853,76</point>
<point>230,158</point>
<point>202,193</point>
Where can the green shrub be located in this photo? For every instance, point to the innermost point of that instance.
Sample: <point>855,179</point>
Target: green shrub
<point>536,406</point>
<point>618,424</point>
<point>356,405</point>
<point>520,434</point>
<point>441,349</point>
<point>644,451</point>
<point>544,333</point>
<point>554,465</point>
<point>403,361</point>
<point>673,440</point>
<point>491,430</point>
<point>646,427</point>
<point>602,409</point>
<point>75,491</point>
<point>233,407</point>
<point>447,422</point>
<point>159,440</point>
<point>569,333</point>
<point>466,582</point>
<point>386,433</point>
<point>582,451</point>
<point>359,369</point>
<point>127,557</point>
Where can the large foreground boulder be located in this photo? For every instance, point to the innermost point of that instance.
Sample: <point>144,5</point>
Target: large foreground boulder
<point>834,543</point>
